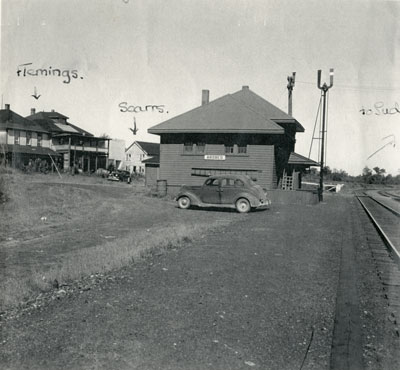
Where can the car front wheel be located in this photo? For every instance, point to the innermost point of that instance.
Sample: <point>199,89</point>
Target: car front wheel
<point>242,205</point>
<point>184,202</point>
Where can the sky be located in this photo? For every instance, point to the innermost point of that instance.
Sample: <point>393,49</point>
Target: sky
<point>145,52</point>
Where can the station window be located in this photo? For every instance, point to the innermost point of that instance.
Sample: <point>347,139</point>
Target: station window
<point>229,149</point>
<point>242,149</point>
<point>39,139</point>
<point>188,148</point>
<point>191,148</point>
<point>29,138</point>
<point>200,148</point>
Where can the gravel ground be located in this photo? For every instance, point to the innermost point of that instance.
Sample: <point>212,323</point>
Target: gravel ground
<point>257,294</point>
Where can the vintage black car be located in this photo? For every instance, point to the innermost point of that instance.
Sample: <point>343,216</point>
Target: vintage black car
<point>119,175</point>
<point>225,191</point>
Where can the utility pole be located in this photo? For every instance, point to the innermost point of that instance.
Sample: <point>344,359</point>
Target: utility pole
<point>290,86</point>
<point>324,89</point>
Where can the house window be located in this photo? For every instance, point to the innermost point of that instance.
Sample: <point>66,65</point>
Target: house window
<point>29,138</point>
<point>39,139</point>
<point>17,135</point>
<point>242,149</point>
<point>229,149</point>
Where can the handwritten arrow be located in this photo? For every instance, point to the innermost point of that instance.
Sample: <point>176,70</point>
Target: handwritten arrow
<point>134,129</point>
<point>391,142</point>
<point>35,95</point>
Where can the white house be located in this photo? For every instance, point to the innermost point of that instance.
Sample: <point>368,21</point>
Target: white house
<point>137,153</point>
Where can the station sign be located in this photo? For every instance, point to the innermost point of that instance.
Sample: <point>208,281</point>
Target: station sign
<point>214,157</point>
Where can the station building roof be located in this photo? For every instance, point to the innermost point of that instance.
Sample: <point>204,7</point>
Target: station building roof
<point>241,112</point>
<point>297,159</point>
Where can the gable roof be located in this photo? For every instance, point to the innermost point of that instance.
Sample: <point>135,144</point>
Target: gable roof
<point>241,112</point>
<point>151,149</point>
<point>297,159</point>
<point>10,119</point>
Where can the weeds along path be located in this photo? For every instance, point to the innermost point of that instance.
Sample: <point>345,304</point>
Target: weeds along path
<point>67,230</point>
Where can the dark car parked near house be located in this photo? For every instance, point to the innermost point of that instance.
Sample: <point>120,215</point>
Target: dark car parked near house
<point>225,191</point>
<point>120,175</point>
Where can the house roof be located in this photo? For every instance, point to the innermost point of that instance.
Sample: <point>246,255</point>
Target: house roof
<point>47,124</point>
<point>26,149</point>
<point>297,159</point>
<point>51,115</point>
<point>47,120</point>
<point>10,119</point>
<point>151,149</point>
<point>152,160</point>
<point>241,112</point>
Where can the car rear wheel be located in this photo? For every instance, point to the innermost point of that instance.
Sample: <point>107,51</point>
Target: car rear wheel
<point>184,202</point>
<point>243,205</point>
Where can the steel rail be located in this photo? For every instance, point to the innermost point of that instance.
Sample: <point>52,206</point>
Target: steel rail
<point>395,253</point>
<point>396,213</point>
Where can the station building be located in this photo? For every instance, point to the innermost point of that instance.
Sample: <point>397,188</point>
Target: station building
<point>239,133</point>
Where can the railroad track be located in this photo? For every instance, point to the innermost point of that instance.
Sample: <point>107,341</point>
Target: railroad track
<point>386,221</point>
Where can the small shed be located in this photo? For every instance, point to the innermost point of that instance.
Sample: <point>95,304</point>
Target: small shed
<point>297,164</point>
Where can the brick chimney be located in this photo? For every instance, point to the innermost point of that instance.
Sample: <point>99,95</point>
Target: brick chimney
<point>205,97</point>
<point>33,111</point>
<point>7,106</point>
<point>245,87</point>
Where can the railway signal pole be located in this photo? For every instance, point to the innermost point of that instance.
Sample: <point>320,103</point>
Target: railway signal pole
<point>290,86</point>
<point>324,89</point>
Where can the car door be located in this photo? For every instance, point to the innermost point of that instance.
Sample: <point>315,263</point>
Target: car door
<point>228,191</point>
<point>210,191</point>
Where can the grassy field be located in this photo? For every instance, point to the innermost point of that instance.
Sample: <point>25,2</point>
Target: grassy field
<point>68,228</point>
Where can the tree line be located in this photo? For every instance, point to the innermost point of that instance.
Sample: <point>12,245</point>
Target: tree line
<point>375,175</point>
